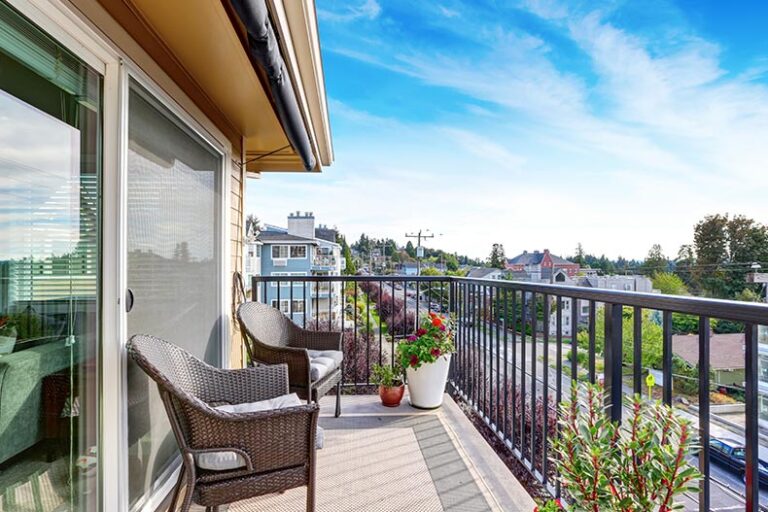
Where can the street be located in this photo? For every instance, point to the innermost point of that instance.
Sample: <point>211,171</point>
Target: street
<point>726,488</point>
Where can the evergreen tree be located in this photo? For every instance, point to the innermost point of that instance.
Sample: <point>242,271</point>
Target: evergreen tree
<point>410,249</point>
<point>655,262</point>
<point>497,259</point>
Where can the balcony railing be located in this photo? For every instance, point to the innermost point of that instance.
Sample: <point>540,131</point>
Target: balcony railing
<point>324,261</point>
<point>513,366</point>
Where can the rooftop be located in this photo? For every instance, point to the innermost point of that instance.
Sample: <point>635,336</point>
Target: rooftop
<point>727,352</point>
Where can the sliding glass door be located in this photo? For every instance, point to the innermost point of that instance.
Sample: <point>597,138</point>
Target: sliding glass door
<point>50,189</point>
<point>174,267</point>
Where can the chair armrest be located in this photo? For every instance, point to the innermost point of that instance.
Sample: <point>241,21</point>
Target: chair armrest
<point>318,340</point>
<point>246,384</point>
<point>270,440</point>
<point>296,358</point>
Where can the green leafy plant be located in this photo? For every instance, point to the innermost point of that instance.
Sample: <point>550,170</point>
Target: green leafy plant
<point>387,375</point>
<point>433,339</point>
<point>7,327</point>
<point>640,465</point>
<point>549,506</point>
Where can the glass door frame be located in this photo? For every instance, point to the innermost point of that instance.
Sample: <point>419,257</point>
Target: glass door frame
<point>86,41</point>
<point>219,144</point>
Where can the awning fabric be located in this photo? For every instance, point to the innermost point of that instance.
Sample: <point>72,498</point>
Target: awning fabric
<point>265,51</point>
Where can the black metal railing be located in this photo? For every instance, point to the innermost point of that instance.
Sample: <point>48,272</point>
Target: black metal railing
<point>518,351</point>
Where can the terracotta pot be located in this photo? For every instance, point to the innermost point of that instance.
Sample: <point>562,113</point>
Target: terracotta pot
<point>391,395</point>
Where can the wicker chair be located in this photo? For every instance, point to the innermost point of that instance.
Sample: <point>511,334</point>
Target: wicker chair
<point>276,445</point>
<point>272,338</point>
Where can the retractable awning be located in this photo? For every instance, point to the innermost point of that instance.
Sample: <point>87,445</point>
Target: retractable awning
<point>265,52</point>
<point>253,67</point>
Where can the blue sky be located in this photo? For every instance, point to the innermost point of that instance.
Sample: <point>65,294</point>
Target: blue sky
<point>537,123</point>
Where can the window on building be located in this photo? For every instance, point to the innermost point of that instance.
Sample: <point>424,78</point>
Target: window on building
<point>298,306</point>
<point>258,251</point>
<point>285,283</point>
<point>279,251</point>
<point>284,306</point>
<point>298,251</point>
<point>763,358</point>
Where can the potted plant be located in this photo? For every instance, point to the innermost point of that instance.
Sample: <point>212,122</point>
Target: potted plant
<point>426,356</point>
<point>8,335</point>
<point>390,382</point>
<point>641,464</point>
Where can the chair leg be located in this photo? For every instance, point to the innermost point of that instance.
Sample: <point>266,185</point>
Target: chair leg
<point>190,477</point>
<point>311,496</point>
<point>338,399</point>
<point>177,490</point>
<point>187,504</point>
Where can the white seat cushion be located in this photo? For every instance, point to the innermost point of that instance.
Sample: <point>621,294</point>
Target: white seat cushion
<point>323,362</point>
<point>227,460</point>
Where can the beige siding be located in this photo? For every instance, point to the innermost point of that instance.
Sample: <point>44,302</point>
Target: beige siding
<point>236,234</point>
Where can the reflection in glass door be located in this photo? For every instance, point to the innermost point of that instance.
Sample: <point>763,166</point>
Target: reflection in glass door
<point>50,167</point>
<point>174,262</point>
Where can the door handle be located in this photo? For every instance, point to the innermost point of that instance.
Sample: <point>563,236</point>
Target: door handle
<point>128,300</point>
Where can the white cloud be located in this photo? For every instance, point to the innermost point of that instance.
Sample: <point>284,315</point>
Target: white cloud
<point>448,13</point>
<point>368,9</point>
<point>632,151</point>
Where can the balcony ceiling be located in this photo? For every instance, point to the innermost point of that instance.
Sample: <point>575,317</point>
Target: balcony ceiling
<point>202,40</point>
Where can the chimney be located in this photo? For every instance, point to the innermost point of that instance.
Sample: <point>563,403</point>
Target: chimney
<point>546,251</point>
<point>301,225</point>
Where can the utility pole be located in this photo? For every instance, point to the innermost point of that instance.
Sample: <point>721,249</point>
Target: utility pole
<point>758,277</point>
<point>419,250</point>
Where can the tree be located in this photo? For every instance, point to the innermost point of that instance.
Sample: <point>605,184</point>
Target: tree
<point>669,284</point>
<point>346,253</point>
<point>725,247</point>
<point>579,258</point>
<point>655,261</point>
<point>410,249</point>
<point>497,259</point>
<point>652,337</point>
<point>252,220</point>
<point>451,262</point>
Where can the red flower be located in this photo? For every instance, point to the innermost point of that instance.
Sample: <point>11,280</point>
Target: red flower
<point>436,321</point>
<point>442,327</point>
<point>421,332</point>
<point>414,360</point>
<point>536,508</point>
<point>435,352</point>
<point>432,314</point>
<point>559,503</point>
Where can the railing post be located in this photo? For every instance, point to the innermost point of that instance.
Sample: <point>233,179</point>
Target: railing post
<point>451,296</point>
<point>751,430</point>
<point>613,354</point>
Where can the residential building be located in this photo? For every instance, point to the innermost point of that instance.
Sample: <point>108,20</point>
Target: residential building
<point>726,356</point>
<point>132,127</point>
<point>251,256</point>
<point>408,269</point>
<point>298,251</point>
<point>486,273</point>
<point>627,283</point>
<point>635,283</point>
<point>541,266</point>
<point>762,337</point>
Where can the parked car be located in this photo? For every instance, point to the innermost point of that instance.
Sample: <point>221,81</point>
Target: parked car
<point>732,454</point>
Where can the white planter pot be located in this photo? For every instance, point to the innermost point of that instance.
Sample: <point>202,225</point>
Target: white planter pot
<point>426,384</point>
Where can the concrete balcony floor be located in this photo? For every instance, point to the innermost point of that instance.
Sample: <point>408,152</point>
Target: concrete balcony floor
<point>401,459</point>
